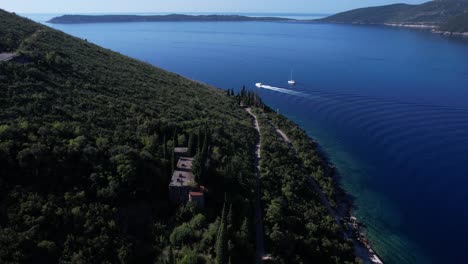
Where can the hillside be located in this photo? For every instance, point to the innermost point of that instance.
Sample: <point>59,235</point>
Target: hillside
<point>86,156</point>
<point>433,13</point>
<point>456,24</point>
<point>86,137</point>
<point>78,19</point>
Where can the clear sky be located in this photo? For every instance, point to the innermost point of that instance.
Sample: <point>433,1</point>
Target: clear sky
<point>149,6</point>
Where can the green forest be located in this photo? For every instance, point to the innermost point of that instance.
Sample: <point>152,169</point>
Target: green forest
<point>86,156</point>
<point>456,24</point>
<point>434,13</point>
<point>298,228</point>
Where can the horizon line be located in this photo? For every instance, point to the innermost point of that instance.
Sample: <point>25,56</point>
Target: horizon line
<point>171,12</point>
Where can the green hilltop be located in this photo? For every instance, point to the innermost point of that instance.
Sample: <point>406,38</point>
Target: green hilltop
<point>86,157</point>
<point>433,13</point>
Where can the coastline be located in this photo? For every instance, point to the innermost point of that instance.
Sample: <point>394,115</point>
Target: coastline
<point>449,33</point>
<point>353,228</point>
<point>432,28</point>
<point>421,26</point>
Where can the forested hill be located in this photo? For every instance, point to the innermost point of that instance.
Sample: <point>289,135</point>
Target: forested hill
<point>86,139</point>
<point>77,19</point>
<point>434,13</point>
<point>456,24</point>
<point>86,157</point>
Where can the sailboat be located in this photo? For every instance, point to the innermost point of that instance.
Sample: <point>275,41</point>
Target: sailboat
<point>291,81</point>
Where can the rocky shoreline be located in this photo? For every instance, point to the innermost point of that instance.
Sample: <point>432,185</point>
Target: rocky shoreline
<point>434,29</point>
<point>354,227</point>
<point>363,246</point>
<point>342,211</point>
<point>422,26</point>
<point>448,33</point>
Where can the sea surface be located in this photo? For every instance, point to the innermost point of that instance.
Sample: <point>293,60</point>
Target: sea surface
<point>388,105</point>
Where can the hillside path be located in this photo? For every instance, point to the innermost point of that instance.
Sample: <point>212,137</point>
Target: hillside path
<point>259,239</point>
<point>311,180</point>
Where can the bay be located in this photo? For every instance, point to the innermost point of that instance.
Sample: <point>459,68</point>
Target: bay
<point>388,105</point>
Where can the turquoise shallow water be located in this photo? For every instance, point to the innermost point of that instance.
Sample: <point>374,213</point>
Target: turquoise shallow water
<point>388,105</point>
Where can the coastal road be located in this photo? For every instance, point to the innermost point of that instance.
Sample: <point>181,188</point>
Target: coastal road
<point>259,239</point>
<point>311,180</point>
<point>7,56</point>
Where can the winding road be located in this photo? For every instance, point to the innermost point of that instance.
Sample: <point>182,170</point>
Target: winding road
<point>259,239</point>
<point>364,252</point>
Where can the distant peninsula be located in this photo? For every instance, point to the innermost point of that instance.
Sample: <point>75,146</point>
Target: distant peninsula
<point>83,19</point>
<point>444,16</point>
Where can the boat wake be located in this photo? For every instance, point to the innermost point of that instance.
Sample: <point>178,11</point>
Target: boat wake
<point>281,90</point>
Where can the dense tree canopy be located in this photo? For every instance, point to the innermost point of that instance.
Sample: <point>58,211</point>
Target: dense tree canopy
<point>298,228</point>
<point>86,155</point>
<point>86,137</point>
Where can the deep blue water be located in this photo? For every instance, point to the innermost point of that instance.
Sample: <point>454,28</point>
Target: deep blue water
<point>388,105</point>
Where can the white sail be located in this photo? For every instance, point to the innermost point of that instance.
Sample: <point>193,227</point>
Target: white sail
<point>291,80</point>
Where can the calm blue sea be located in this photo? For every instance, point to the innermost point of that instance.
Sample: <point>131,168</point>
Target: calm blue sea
<point>388,105</point>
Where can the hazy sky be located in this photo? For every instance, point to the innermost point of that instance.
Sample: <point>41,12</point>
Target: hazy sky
<point>129,6</point>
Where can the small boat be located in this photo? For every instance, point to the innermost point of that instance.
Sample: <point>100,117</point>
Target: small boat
<point>259,85</point>
<point>291,81</point>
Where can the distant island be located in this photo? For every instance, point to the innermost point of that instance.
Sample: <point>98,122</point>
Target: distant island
<point>83,19</point>
<point>444,16</point>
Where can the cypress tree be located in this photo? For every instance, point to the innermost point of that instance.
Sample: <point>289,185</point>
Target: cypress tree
<point>165,147</point>
<point>199,140</point>
<point>190,145</point>
<point>229,218</point>
<point>223,212</point>
<point>220,248</point>
<point>176,140</point>
<point>197,169</point>
<point>244,230</point>
<point>171,257</point>
<point>173,161</point>
<point>221,239</point>
<point>204,150</point>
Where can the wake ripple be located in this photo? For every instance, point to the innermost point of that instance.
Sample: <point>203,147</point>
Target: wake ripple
<point>416,139</point>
